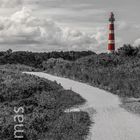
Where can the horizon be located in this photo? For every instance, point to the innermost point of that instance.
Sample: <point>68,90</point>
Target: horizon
<point>58,25</point>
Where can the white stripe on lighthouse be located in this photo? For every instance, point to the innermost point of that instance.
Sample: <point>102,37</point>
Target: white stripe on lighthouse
<point>111,31</point>
<point>111,41</point>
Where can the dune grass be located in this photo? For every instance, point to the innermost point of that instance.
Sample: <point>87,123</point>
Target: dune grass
<point>131,104</point>
<point>44,103</point>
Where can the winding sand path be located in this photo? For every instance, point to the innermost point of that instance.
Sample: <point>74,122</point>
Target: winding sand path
<point>111,121</point>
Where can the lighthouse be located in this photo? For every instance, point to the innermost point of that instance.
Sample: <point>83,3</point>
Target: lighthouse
<point>111,37</point>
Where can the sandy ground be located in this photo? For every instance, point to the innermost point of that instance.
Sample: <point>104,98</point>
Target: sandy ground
<point>111,121</point>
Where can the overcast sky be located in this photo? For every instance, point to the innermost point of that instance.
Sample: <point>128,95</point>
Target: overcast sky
<point>47,25</point>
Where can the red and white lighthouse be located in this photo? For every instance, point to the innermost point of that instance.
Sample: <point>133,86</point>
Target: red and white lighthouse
<point>111,38</point>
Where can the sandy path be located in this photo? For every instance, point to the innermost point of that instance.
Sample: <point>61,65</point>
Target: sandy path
<point>111,121</point>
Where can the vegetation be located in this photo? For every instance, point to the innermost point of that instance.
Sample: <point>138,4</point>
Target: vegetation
<point>118,73</point>
<point>44,103</point>
<point>17,67</point>
<point>131,104</point>
<point>36,59</point>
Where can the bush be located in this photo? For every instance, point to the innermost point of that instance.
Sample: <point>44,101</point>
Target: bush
<point>119,73</point>
<point>128,50</point>
<point>44,103</point>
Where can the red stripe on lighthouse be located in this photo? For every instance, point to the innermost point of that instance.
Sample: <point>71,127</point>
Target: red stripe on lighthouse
<point>111,37</point>
<point>111,26</point>
<point>111,47</point>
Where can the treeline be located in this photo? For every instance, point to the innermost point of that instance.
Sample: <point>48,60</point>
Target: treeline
<point>44,103</point>
<point>118,73</point>
<point>36,59</point>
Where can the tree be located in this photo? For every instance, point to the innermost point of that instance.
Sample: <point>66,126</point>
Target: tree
<point>127,50</point>
<point>8,52</point>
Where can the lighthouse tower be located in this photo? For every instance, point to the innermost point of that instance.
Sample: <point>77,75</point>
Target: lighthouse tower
<point>111,38</point>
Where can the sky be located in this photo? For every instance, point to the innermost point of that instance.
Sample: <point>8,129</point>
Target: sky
<point>55,25</point>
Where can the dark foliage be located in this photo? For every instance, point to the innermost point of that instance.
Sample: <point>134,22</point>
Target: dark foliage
<point>36,59</point>
<point>128,50</point>
<point>44,103</point>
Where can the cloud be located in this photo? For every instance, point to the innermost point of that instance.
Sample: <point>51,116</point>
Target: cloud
<point>137,42</point>
<point>121,25</point>
<point>10,3</point>
<point>101,35</point>
<point>24,29</point>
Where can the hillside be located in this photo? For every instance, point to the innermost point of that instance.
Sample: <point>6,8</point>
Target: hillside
<point>111,121</point>
<point>44,103</point>
<point>118,73</point>
<point>34,59</point>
